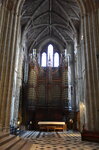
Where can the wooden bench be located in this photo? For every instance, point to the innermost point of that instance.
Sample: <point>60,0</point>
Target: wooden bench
<point>90,136</point>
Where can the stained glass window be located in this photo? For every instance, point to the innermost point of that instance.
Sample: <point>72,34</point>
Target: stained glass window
<point>50,55</point>
<point>56,59</point>
<point>43,63</point>
<point>49,58</point>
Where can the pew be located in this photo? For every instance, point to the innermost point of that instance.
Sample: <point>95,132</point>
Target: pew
<point>90,136</point>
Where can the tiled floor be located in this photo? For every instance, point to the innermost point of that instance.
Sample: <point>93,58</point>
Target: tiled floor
<point>59,141</point>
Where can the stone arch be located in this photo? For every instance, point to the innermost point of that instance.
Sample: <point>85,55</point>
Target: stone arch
<point>48,41</point>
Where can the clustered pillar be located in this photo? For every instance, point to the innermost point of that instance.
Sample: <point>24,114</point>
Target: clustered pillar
<point>91,45</point>
<point>9,24</point>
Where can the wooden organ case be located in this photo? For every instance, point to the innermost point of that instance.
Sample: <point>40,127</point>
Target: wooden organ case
<point>47,94</point>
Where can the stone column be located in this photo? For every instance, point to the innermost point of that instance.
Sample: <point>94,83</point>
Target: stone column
<point>3,37</point>
<point>71,76</point>
<point>11,75</point>
<point>5,48</point>
<point>8,48</point>
<point>16,90</point>
<point>78,77</point>
<point>88,75</point>
<point>96,36</point>
<point>71,82</point>
<point>81,78</point>
<point>1,26</point>
<point>15,80</point>
<point>94,31</point>
<point>94,79</point>
<point>91,74</point>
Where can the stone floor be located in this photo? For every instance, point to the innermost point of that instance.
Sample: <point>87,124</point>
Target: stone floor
<point>59,141</point>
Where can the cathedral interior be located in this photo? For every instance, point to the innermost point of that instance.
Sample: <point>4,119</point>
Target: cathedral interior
<point>49,67</point>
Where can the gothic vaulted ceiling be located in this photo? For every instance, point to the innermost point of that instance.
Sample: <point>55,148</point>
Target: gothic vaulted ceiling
<point>50,19</point>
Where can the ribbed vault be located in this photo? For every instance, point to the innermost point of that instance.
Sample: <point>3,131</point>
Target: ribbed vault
<point>84,5</point>
<point>43,19</point>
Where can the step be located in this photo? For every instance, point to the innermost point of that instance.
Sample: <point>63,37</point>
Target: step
<point>3,134</point>
<point>6,139</point>
<point>24,134</point>
<point>10,144</point>
<point>28,134</point>
<point>19,145</point>
<point>27,146</point>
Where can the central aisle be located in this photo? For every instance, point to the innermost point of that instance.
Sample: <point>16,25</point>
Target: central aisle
<point>58,141</point>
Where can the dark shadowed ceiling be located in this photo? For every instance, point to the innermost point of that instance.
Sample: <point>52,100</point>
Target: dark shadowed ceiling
<point>50,19</point>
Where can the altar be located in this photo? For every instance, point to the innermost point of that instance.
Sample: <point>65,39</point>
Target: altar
<point>52,125</point>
